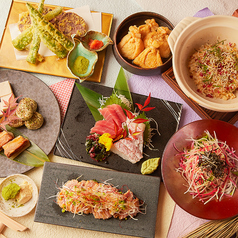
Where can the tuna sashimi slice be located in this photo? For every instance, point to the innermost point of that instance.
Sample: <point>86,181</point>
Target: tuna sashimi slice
<point>114,113</point>
<point>102,127</point>
<point>119,111</point>
<point>110,115</point>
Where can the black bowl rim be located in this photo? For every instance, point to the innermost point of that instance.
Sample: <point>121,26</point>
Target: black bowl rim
<point>163,18</point>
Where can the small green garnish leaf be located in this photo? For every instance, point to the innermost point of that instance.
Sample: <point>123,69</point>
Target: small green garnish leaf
<point>150,165</point>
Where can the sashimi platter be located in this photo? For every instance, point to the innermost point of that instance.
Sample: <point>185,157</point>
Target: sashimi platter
<point>116,129</point>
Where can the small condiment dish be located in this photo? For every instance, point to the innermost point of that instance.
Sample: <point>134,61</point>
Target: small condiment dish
<point>95,35</point>
<point>80,51</point>
<point>10,207</point>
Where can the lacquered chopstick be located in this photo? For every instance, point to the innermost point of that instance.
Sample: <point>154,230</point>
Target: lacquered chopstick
<point>11,223</point>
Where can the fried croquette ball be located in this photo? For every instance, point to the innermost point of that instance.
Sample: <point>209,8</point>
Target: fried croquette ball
<point>31,102</point>
<point>35,122</point>
<point>24,111</point>
<point>16,122</point>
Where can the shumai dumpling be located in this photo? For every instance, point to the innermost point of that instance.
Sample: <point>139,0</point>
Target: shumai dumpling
<point>148,58</point>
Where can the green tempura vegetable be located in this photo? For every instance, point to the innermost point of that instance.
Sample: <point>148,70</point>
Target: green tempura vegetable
<point>52,44</point>
<point>35,45</point>
<point>47,26</point>
<point>10,191</point>
<point>25,38</point>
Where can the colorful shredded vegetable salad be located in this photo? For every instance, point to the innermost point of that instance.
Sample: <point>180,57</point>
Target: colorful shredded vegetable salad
<point>210,168</point>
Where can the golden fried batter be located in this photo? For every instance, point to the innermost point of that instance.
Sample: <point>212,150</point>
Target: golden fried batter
<point>148,58</point>
<point>146,44</point>
<point>131,44</point>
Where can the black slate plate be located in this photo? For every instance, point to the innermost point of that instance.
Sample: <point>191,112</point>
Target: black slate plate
<point>79,120</point>
<point>146,188</point>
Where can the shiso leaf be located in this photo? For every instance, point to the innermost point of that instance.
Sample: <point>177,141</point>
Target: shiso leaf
<point>114,99</point>
<point>150,165</point>
<point>33,156</point>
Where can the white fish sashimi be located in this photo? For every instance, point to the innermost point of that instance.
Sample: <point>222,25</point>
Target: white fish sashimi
<point>131,149</point>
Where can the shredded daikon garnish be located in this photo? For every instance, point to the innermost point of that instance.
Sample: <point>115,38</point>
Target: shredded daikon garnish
<point>210,168</point>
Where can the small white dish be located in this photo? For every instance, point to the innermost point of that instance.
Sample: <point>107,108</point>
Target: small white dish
<point>10,207</point>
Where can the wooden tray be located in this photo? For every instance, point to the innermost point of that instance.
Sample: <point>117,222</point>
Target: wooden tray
<point>51,65</point>
<point>204,113</point>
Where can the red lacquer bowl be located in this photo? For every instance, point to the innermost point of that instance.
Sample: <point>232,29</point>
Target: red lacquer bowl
<point>175,184</point>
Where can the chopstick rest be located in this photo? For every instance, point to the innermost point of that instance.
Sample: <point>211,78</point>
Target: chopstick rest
<point>11,223</point>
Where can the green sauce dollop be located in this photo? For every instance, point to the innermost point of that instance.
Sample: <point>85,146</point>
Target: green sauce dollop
<point>10,191</point>
<point>81,65</point>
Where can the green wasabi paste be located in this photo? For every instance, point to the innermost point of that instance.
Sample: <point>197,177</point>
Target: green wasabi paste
<point>81,65</point>
<point>10,191</point>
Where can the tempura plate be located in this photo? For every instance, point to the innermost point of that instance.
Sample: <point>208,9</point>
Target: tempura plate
<point>51,65</point>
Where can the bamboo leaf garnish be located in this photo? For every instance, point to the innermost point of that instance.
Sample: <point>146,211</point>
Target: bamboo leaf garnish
<point>92,100</point>
<point>121,86</point>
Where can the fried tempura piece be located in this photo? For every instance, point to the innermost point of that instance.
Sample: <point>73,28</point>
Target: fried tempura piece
<point>153,39</point>
<point>152,23</point>
<point>148,58</point>
<point>131,44</point>
<point>164,48</point>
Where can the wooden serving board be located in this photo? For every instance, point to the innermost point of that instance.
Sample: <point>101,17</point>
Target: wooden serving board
<point>52,65</point>
<point>204,113</point>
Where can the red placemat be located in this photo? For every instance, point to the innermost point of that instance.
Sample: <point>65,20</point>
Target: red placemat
<point>62,91</point>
